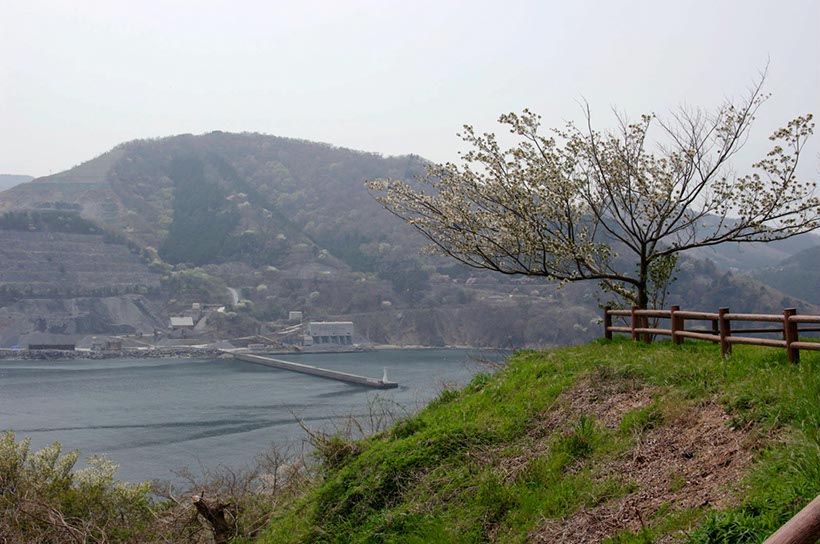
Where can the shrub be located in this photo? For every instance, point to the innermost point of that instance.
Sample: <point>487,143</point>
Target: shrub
<point>42,500</point>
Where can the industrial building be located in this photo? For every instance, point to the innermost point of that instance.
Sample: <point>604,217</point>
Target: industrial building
<point>329,332</point>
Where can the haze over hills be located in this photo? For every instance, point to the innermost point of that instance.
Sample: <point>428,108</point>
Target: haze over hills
<point>744,257</point>
<point>796,275</point>
<point>8,181</point>
<point>290,226</point>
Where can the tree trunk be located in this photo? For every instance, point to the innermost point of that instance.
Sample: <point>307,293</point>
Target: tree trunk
<point>643,296</point>
<point>215,516</point>
<point>643,280</point>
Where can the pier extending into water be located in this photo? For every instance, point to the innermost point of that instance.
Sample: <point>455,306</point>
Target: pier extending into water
<point>314,371</point>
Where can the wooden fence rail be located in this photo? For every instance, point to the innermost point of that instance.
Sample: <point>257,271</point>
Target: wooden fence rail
<point>803,528</point>
<point>718,328</point>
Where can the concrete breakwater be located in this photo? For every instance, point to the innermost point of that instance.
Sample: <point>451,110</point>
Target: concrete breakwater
<point>315,371</point>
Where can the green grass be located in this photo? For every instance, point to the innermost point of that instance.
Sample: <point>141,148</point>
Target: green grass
<point>642,419</point>
<point>479,465</point>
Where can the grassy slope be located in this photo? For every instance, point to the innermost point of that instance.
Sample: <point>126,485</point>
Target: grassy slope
<point>511,456</point>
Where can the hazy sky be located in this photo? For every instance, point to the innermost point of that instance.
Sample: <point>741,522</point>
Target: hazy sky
<point>78,77</point>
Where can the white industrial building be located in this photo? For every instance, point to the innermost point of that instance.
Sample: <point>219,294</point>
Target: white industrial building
<point>294,316</point>
<point>182,322</point>
<point>329,332</point>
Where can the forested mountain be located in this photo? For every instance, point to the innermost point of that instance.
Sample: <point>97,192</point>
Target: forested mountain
<point>257,195</point>
<point>290,225</point>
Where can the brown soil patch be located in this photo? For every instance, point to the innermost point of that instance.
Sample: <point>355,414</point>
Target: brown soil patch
<point>687,463</point>
<point>690,461</point>
<point>606,398</point>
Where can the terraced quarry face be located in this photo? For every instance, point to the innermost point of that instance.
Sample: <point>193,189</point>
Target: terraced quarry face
<point>59,283</point>
<point>63,264</point>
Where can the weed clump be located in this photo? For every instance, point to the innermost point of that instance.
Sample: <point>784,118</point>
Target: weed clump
<point>641,420</point>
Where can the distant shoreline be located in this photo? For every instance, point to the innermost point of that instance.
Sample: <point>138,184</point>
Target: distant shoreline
<point>185,352</point>
<point>153,353</point>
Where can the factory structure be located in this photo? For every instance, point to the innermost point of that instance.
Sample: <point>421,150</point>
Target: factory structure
<point>329,333</point>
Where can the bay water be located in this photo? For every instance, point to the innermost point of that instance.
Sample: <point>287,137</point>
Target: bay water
<point>156,416</point>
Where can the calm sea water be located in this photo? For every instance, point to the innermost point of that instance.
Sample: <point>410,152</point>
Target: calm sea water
<point>156,416</point>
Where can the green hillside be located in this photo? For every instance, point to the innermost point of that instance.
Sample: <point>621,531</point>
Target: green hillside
<point>611,442</point>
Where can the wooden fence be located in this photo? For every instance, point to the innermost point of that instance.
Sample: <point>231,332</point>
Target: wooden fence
<point>718,328</point>
<point>803,528</point>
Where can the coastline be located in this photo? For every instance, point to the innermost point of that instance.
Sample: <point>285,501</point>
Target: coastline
<point>151,353</point>
<point>190,352</point>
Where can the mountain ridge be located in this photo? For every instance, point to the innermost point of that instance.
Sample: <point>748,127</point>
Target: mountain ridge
<point>291,225</point>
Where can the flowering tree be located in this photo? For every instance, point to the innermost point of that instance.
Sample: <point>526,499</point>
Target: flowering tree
<point>577,203</point>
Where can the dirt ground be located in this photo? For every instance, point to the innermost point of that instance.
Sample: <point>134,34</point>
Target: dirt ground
<point>689,461</point>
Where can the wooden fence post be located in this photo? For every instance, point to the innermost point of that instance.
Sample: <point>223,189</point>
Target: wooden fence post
<point>607,322</point>
<point>725,330</point>
<point>634,325</point>
<point>674,325</point>
<point>790,335</point>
